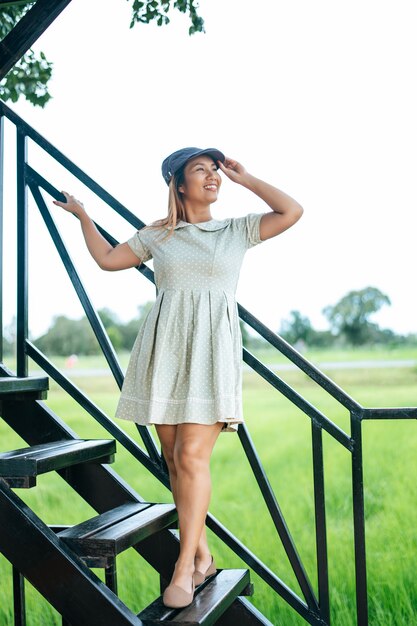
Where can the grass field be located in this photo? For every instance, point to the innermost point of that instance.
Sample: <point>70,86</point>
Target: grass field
<point>282,436</point>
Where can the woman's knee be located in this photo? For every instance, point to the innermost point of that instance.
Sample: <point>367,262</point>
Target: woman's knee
<point>190,457</point>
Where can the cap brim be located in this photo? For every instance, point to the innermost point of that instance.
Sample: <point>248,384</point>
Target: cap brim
<point>216,155</point>
<point>175,162</point>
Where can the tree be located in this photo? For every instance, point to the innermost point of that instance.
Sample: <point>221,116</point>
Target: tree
<point>113,327</point>
<point>350,316</point>
<point>9,337</point>
<point>130,330</point>
<point>247,338</point>
<point>30,76</point>
<point>158,10</point>
<point>321,339</point>
<point>296,328</point>
<point>68,336</point>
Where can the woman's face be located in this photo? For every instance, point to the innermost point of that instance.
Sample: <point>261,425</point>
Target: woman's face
<point>201,180</point>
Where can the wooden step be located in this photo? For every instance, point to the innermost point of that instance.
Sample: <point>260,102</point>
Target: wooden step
<point>20,468</point>
<point>211,599</point>
<point>98,540</point>
<point>37,385</point>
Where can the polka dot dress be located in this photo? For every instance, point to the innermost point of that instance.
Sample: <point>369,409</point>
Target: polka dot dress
<point>186,363</point>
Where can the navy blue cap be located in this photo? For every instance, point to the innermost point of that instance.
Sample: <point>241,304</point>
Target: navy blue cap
<point>175,161</point>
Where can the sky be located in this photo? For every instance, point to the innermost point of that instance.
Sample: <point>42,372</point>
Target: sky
<point>316,98</point>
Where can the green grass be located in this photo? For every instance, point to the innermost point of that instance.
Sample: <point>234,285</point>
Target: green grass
<point>271,355</point>
<point>362,353</point>
<point>282,435</point>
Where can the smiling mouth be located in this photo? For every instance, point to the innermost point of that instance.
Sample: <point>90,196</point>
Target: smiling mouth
<point>211,187</point>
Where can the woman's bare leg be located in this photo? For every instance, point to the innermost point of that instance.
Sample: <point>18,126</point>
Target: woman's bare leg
<point>166,434</point>
<point>187,449</point>
<point>193,447</point>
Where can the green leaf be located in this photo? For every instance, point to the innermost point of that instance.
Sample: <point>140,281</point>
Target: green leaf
<point>156,10</point>
<point>30,76</point>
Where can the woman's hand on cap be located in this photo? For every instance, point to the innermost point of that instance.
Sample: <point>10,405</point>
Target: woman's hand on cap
<point>233,170</point>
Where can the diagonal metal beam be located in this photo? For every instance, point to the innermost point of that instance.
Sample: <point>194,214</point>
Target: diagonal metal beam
<point>27,31</point>
<point>301,362</point>
<point>32,176</point>
<point>314,414</point>
<point>91,314</point>
<point>153,465</point>
<point>84,178</point>
<point>277,517</point>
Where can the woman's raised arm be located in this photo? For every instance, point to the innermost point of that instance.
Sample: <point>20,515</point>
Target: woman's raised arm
<point>108,258</point>
<point>285,210</point>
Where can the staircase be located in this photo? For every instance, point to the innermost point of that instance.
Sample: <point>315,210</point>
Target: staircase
<point>56,559</point>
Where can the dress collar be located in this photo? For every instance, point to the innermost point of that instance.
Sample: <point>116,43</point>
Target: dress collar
<point>210,225</point>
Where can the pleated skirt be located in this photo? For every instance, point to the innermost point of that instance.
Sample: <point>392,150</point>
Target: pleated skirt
<point>186,363</point>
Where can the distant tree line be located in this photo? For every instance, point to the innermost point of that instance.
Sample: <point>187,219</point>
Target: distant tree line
<point>349,325</point>
<point>69,336</point>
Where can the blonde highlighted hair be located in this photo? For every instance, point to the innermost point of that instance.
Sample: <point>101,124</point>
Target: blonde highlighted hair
<point>176,209</point>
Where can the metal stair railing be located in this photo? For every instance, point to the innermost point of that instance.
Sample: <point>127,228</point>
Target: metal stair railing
<point>314,608</point>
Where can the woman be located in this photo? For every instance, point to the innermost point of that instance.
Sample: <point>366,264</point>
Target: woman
<point>184,374</point>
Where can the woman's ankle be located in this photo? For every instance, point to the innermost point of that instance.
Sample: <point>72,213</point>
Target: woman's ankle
<point>203,554</point>
<point>184,566</point>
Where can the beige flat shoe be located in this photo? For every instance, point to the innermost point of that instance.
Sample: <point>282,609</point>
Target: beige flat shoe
<point>175,597</point>
<point>200,577</point>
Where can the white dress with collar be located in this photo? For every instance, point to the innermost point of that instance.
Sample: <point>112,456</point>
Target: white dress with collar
<point>186,363</point>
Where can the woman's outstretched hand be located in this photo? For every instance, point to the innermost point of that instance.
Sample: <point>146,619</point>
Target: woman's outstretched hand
<point>233,170</point>
<point>71,205</point>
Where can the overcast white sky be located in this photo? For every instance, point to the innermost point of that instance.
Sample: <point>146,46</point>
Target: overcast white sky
<point>317,98</point>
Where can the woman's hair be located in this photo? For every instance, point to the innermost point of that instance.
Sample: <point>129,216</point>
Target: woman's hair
<point>176,209</point>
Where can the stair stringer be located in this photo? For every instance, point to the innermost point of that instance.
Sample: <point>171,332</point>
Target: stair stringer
<point>55,571</point>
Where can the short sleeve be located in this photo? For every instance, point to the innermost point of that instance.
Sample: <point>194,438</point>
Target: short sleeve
<point>249,227</point>
<point>139,246</point>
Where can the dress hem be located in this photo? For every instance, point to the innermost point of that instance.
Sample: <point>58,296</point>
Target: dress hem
<point>229,423</point>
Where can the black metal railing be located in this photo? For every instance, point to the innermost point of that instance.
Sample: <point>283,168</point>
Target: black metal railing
<point>314,608</point>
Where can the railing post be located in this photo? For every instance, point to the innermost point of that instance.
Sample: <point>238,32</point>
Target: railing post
<point>110,575</point>
<point>359,520</point>
<point>1,229</point>
<point>320,517</point>
<point>19,605</point>
<point>22,255</point>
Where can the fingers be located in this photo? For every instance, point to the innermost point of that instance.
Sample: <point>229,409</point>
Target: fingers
<point>225,167</point>
<point>231,168</point>
<point>67,196</point>
<point>70,202</point>
<point>229,164</point>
